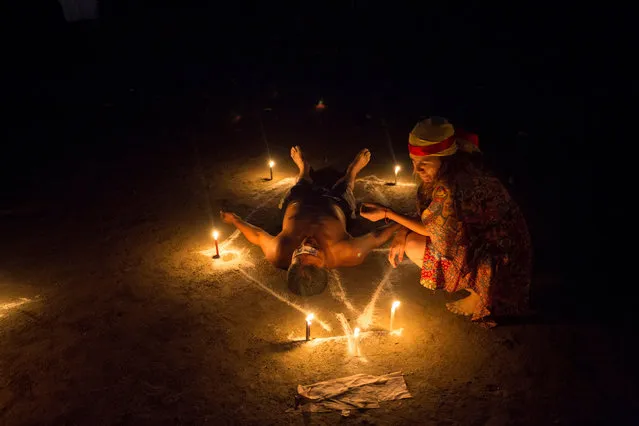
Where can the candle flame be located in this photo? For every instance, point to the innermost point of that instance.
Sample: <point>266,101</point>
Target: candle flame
<point>395,305</point>
<point>356,332</point>
<point>216,235</point>
<point>397,169</point>
<point>271,163</point>
<point>310,318</point>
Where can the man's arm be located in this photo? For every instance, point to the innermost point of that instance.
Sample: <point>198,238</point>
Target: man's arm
<point>353,252</point>
<point>254,234</point>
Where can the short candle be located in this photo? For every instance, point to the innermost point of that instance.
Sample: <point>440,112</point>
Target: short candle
<point>217,248</point>
<point>271,163</point>
<point>309,318</point>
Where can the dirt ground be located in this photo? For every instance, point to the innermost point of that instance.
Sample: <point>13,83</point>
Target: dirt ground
<point>113,312</point>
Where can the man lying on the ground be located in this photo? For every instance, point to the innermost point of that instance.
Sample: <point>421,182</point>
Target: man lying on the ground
<point>314,236</point>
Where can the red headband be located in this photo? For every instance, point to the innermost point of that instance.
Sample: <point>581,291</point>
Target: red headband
<point>420,151</point>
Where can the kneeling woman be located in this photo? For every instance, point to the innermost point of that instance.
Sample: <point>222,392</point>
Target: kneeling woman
<point>470,234</point>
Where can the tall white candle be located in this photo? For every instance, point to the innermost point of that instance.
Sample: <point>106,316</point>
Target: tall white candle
<point>394,307</point>
<point>271,163</point>
<point>217,248</point>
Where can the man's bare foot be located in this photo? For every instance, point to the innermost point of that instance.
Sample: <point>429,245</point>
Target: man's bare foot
<point>298,159</point>
<point>361,160</point>
<point>466,306</point>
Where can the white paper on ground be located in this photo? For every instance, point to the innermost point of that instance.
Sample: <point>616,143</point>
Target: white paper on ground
<point>353,392</point>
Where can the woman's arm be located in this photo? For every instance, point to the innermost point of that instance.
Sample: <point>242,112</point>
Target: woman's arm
<point>375,212</point>
<point>410,222</point>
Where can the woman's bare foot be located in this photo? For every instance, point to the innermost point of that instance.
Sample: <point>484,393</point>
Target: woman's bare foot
<point>466,306</point>
<point>361,160</point>
<point>302,164</point>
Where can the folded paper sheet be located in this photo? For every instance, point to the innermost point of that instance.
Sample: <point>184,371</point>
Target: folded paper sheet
<point>352,392</point>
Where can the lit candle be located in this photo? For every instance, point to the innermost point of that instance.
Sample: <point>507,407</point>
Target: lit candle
<point>356,341</point>
<point>217,249</point>
<point>392,318</point>
<point>271,163</point>
<point>397,169</point>
<point>309,318</point>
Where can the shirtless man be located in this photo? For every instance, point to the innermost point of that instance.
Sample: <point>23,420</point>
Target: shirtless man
<point>314,236</point>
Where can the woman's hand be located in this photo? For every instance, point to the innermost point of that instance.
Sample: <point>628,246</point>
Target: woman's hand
<point>398,247</point>
<point>228,217</point>
<point>374,211</point>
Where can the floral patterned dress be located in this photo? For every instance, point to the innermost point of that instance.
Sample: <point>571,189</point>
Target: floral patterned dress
<point>477,239</point>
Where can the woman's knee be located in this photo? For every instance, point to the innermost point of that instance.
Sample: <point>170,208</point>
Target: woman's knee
<point>415,245</point>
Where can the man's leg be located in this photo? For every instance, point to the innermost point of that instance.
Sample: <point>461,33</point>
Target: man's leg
<point>302,164</point>
<point>359,162</point>
<point>304,183</point>
<point>343,188</point>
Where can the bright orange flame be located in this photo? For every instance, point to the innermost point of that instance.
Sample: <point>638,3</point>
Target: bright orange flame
<point>397,169</point>
<point>356,332</point>
<point>271,163</point>
<point>309,318</point>
<point>216,235</point>
<point>395,305</point>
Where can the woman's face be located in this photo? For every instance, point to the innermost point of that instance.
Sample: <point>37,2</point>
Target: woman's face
<point>426,167</point>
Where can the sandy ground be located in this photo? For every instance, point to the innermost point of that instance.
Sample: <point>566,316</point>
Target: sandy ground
<point>113,312</point>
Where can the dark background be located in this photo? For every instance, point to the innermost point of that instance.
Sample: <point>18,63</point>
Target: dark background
<point>529,79</point>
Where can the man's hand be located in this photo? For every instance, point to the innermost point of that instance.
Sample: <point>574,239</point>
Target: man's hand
<point>373,211</point>
<point>228,217</point>
<point>397,248</point>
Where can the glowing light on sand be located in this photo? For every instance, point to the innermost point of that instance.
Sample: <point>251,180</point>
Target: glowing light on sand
<point>366,319</point>
<point>348,333</point>
<point>397,169</point>
<point>283,299</point>
<point>374,180</point>
<point>337,291</point>
<point>316,341</point>
<point>216,235</point>
<point>371,187</point>
<point>230,259</point>
<point>309,319</point>
<point>10,305</point>
<point>356,340</point>
<point>394,307</point>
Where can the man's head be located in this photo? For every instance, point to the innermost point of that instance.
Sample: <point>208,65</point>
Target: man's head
<point>307,275</point>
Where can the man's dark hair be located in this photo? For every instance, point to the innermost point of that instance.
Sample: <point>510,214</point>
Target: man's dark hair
<point>306,280</point>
